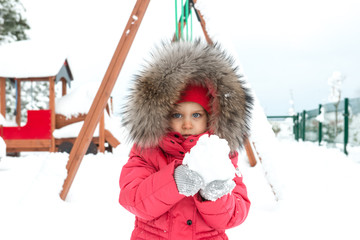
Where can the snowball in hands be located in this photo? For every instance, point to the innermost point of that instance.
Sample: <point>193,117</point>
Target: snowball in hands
<point>210,158</point>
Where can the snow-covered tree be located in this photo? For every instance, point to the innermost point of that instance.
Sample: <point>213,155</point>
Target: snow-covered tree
<point>335,82</point>
<point>276,128</point>
<point>34,96</point>
<point>12,28</point>
<point>12,22</point>
<point>10,101</point>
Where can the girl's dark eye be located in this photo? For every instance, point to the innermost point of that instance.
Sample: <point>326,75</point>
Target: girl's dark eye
<point>176,115</point>
<point>196,115</point>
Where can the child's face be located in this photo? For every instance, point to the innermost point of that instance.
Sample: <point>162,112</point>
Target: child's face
<point>188,118</point>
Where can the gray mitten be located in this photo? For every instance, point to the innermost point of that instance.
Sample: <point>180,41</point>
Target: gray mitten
<point>187,181</point>
<point>217,188</point>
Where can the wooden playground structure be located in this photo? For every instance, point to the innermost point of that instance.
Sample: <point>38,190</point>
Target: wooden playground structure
<point>109,80</point>
<point>37,134</point>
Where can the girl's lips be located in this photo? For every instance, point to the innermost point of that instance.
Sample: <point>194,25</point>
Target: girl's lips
<point>186,135</point>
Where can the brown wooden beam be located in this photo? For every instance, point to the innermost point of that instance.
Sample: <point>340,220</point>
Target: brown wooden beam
<point>62,121</point>
<point>63,81</point>
<point>18,145</point>
<point>102,134</point>
<point>103,94</point>
<point>250,153</point>
<point>3,96</point>
<point>203,25</point>
<point>111,139</point>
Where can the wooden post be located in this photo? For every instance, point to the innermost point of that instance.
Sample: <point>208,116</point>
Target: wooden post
<point>87,131</point>
<point>102,133</point>
<point>52,108</point>
<point>203,25</point>
<point>63,80</point>
<point>18,101</point>
<point>250,152</point>
<point>3,96</point>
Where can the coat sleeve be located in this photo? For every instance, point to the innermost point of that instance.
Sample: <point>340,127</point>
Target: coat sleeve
<point>144,191</point>
<point>228,211</point>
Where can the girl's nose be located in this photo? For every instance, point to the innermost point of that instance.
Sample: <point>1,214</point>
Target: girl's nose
<point>187,124</point>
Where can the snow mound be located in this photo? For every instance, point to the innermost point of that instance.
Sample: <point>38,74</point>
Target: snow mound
<point>77,101</point>
<point>2,148</point>
<point>2,119</point>
<point>210,158</point>
<point>2,143</point>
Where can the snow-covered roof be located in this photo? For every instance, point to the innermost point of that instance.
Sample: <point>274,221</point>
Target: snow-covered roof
<point>31,59</point>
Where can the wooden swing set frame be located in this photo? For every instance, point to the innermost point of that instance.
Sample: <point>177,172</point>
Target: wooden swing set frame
<point>103,94</point>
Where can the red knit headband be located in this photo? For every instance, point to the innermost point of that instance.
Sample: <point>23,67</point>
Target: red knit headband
<point>197,94</point>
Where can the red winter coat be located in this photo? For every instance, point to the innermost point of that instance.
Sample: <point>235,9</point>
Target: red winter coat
<point>149,191</point>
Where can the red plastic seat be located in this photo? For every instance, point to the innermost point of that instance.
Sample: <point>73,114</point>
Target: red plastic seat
<point>38,126</point>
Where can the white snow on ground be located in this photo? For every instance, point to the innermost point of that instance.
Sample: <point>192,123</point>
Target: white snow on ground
<point>2,143</point>
<point>2,148</point>
<point>317,191</point>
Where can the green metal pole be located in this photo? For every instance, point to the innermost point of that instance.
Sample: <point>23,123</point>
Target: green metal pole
<point>187,19</point>
<point>176,21</point>
<point>297,127</point>
<point>303,124</point>
<point>294,126</point>
<point>191,26</point>
<point>346,124</point>
<point>182,20</point>
<point>320,127</point>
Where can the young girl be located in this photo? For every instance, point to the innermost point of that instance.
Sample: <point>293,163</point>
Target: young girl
<point>189,89</point>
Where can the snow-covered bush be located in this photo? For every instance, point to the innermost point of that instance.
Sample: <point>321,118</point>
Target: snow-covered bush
<point>354,130</point>
<point>283,128</point>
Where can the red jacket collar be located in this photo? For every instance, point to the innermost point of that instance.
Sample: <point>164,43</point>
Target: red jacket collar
<point>175,144</point>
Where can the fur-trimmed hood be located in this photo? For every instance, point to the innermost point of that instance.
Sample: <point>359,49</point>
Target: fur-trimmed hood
<point>158,86</point>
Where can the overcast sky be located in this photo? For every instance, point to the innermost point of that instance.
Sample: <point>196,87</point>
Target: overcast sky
<point>283,46</point>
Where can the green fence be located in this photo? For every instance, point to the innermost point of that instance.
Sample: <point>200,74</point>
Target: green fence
<point>331,124</point>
